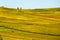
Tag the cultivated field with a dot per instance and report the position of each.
(29, 24)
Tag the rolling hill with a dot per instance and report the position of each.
(29, 24)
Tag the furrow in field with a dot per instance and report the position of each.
(31, 32)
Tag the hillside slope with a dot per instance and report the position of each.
(30, 24)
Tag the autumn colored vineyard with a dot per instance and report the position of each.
(29, 24)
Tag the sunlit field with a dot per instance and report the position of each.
(29, 24)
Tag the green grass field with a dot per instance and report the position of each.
(29, 24)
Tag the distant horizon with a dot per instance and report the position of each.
(29, 8)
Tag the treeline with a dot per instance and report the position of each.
(44, 10)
